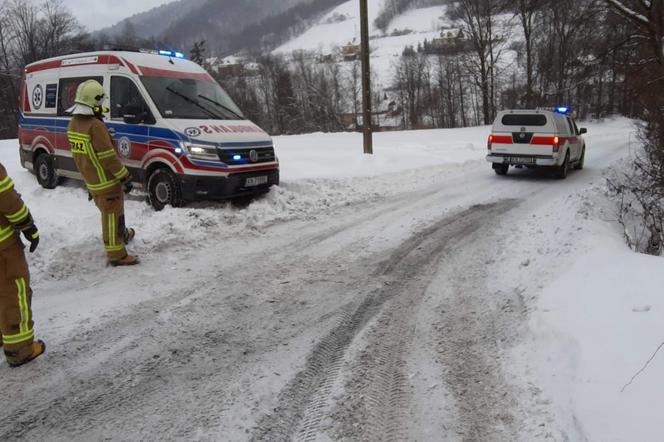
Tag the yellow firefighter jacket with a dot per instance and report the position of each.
(14, 214)
(95, 157)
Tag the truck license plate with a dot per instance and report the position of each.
(255, 181)
(522, 160)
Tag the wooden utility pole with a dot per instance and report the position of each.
(366, 79)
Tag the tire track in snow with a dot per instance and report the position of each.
(305, 403)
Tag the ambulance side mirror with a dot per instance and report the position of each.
(583, 130)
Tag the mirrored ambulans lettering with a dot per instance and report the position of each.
(220, 128)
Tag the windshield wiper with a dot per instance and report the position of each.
(239, 117)
(195, 103)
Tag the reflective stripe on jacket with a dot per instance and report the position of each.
(14, 214)
(94, 154)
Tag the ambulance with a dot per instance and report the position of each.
(175, 129)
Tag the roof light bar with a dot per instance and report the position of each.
(171, 54)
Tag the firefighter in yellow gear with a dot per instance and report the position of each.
(15, 293)
(96, 159)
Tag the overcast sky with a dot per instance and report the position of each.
(98, 14)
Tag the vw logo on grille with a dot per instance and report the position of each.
(253, 156)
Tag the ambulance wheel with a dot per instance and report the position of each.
(45, 171)
(164, 189)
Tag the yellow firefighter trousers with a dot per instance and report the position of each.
(111, 206)
(15, 301)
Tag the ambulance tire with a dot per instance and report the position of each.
(45, 171)
(164, 189)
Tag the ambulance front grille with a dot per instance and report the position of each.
(243, 156)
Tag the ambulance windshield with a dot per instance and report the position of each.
(191, 99)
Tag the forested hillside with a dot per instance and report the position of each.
(226, 25)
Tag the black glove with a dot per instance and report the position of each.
(32, 235)
(128, 186)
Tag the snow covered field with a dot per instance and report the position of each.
(411, 295)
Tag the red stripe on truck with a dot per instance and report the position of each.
(545, 141)
(501, 139)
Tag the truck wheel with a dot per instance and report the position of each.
(501, 169)
(45, 171)
(563, 170)
(579, 165)
(164, 189)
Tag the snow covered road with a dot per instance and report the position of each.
(384, 298)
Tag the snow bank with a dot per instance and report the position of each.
(596, 327)
(319, 172)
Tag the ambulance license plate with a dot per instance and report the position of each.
(255, 181)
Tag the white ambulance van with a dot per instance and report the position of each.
(536, 138)
(175, 129)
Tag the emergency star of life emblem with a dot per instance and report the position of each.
(37, 96)
(124, 147)
(192, 131)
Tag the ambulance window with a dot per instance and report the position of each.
(126, 98)
(51, 95)
(67, 94)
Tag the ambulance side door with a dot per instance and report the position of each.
(129, 124)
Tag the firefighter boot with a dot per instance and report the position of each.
(129, 235)
(38, 347)
(126, 261)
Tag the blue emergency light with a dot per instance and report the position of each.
(171, 54)
(237, 157)
(563, 110)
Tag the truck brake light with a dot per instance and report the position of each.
(556, 144)
(490, 142)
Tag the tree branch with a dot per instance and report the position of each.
(629, 13)
(643, 368)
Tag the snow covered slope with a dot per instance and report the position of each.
(327, 35)
(411, 295)
(341, 26)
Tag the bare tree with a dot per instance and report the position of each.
(527, 11)
(411, 80)
(642, 187)
(479, 22)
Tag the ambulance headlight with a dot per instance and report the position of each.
(200, 152)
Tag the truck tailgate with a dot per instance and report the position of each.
(538, 145)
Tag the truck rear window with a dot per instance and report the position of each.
(524, 120)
